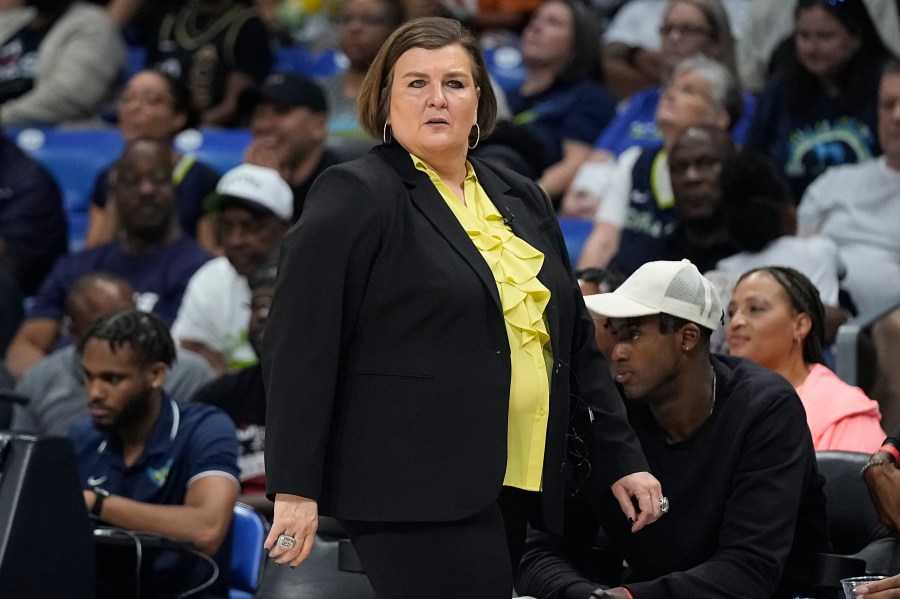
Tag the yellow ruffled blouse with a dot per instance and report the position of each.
(515, 265)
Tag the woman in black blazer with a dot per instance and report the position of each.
(391, 378)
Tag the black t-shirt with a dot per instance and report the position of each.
(19, 62)
(242, 396)
(202, 50)
(329, 158)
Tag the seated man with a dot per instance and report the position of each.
(632, 199)
(253, 211)
(145, 462)
(55, 385)
(150, 253)
(289, 124)
(242, 395)
(728, 440)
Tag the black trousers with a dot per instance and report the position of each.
(472, 558)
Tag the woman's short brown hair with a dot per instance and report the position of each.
(431, 33)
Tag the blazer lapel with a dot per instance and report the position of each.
(426, 198)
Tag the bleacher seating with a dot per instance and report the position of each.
(316, 65)
(75, 157)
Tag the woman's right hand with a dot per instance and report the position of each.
(296, 517)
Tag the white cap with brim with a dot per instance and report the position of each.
(255, 185)
(663, 287)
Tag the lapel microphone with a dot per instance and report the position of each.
(508, 220)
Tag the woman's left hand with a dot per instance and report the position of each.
(644, 487)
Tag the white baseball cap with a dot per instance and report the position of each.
(663, 287)
(258, 186)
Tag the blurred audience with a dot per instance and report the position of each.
(769, 22)
(242, 395)
(856, 206)
(155, 105)
(148, 463)
(289, 124)
(55, 385)
(253, 209)
(688, 28)
(151, 253)
(636, 53)
(60, 60)
(219, 48)
(762, 219)
(561, 103)
(700, 233)
(33, 227)
(776, 319)
(364, 26)
(632, 198)
(820, 107)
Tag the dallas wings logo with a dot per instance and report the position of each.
(159, 475)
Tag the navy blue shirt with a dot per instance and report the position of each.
(159, 277)
(32, 219)
(189, 441)
(576, 110)
(824, 135)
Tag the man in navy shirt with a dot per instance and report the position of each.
(145, 462)
(151, 253)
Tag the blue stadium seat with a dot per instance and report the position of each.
(317, 65)
(575, 231)
(249, 530)
(222, 149)
(74, 158)
(504, 63)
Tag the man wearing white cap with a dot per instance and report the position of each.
(727, 440)
(253, 206)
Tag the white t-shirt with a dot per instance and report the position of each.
(816, 257)
(215, 310)
(858, 206)
(609, 186)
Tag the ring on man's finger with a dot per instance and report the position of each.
(286, 541)
(664, 505)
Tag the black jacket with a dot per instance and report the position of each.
(386, 357)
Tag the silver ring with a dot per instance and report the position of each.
(664, 505)
(286, 541)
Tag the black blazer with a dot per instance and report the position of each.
(386, 358)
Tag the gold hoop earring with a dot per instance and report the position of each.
(384, 135)
(477, 137)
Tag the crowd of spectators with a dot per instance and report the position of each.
(760, 139)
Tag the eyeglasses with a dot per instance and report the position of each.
(684, 30)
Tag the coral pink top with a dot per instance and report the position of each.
(839, 415)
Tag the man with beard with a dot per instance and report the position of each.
(55, 386)
(146, 462)
(253, 208)
(701, 234)
(150, 253)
